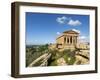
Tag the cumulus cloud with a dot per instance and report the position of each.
(68, 21)
(58, 33)
(74, 22)
(61, 20)
(76, 30)
(82, 37)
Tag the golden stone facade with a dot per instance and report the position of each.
(69, 40)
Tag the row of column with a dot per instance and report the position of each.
(70, 40)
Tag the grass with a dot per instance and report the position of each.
(69, 57)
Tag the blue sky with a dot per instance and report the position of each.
(42, 28)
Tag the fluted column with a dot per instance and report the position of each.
(76, 40)
(73, 40)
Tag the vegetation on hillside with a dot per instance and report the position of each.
(69, 57)
(34, 52)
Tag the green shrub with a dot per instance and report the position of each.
(69, 54)
(54, 63)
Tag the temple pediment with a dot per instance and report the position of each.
(70, 32)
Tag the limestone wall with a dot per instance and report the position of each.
(60, 40)
(83, 46)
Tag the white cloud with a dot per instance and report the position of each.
(58, 33)
(64, 17)
(61, 20)
(82, 37)
(74, 22)
(76, 30)
(68, 21)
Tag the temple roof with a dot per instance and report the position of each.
(71, 32)
(68, 32)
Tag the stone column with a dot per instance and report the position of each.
(76, 40)
(73, 40)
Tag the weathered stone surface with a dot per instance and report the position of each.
(61, 62)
